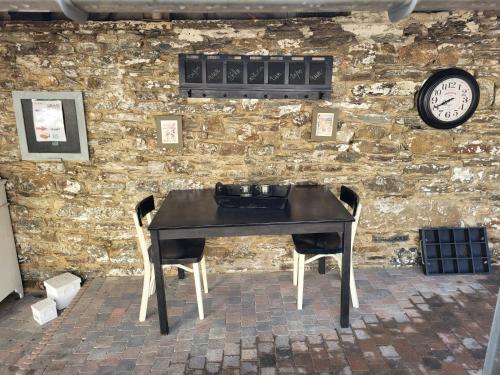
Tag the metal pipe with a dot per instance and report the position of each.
(399, 11)
(73, 12)
(76, 9)
(211, 6)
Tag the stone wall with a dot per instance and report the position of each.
(78, 215)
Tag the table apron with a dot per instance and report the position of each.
(251, 230)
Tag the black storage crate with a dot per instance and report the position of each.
(455, 250)
(256, 196)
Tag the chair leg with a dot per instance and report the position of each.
(204, 274)
(152, 285)
(300, 288)
(197, 285)
(295, 266)
(145, 294)
(322, 266)
(181, 274)
(354, 292)
(352, 282)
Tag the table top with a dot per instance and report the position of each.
(184, 209)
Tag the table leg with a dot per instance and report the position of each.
(322, 265)
(160, 287)
(181, 273)
(346, 271)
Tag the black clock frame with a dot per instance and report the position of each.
(425, 92)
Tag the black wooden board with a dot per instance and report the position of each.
(255, 73)
(193, 69)
(317, 73)
(297, 73)
(276, 74)
(225, 76)
(215, 70)
(234, 73)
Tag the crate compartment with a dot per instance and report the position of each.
(479, 250)
(449, 266)
(430, 235)
(465, 266)
(433, 251)
(463, 250)
(447, 251)
(445, 235)
(481, 265)
(454, 250)
(461, 235)
(476, 234)
(433, 266)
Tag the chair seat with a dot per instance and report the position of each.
(185, 251)
(318, 243)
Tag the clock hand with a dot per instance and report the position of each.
(443, 103)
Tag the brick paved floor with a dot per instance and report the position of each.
(407, 323)
(18, 331)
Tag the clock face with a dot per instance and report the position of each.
(448, 98)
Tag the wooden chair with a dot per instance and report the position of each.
(322, 245)
(175, 253)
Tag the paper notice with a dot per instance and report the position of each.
(324, 124)
(48, 121)
(169, 131)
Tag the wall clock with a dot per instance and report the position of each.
(448, 98)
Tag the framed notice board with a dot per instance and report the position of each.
(261, 77)
(51, 125)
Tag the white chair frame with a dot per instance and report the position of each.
(148, 288)
(299, 262)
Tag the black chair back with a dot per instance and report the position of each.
(144, 207)
(350, 197)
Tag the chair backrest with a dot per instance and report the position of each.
(143, 209)
(352, 199)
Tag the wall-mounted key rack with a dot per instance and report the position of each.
(260, 77)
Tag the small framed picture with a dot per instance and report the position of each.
(169, 131)
(324, 124)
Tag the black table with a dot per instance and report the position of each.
(195, 214)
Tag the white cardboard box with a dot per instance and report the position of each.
(44, 311)
(62, 289)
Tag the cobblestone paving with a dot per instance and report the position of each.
(18, 331)
(407, 323)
